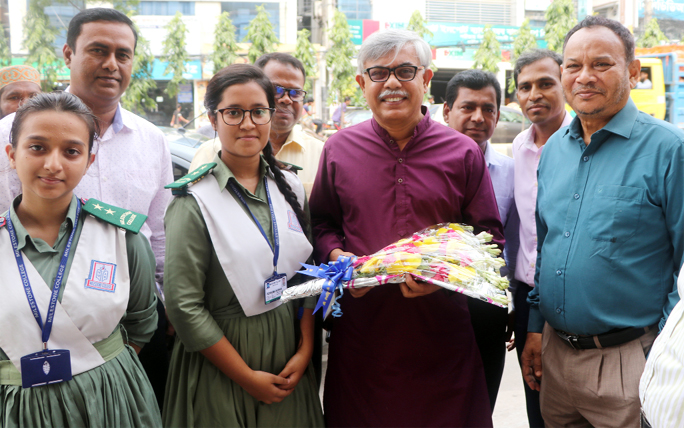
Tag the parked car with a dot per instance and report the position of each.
(183, 144)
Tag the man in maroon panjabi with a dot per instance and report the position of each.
(400, 355)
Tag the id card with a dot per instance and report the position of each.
(274, 287)
(45, 368)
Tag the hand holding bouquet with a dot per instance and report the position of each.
(447, 254)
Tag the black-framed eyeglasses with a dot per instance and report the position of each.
(234, 116)
(294, 94)
(403, 73)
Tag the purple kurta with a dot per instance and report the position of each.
(395, 361)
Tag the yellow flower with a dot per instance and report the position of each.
(404, 263)
(460, 274)
(372, 265)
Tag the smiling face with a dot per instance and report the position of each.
(102, 63)
(287, 112)
(540, 92)
(473, 113)
(395, 103)
(50, 155)
(596, 78)
(246, 140)
(14, 95)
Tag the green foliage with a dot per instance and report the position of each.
(136, 98)
(261, 35)
(304, 51)
(338, 59)
(225, 43)
(488, 55)
(175, 53)
(560, 18)
(129, 7)
(5, 54)
(417, 25)
(652, 36)
(39, 40)
(524, 41)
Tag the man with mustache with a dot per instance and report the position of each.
(400, 355)
(473, 100)
(290, 143)
(610, 215)
(18, 83)
(132, 163)
(537, 77)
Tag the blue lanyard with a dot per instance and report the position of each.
(276, 238)
(47, 328)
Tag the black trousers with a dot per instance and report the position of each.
(489, 325)
(155, 357)
(522, 316)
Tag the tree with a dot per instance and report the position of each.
(225, 43)
(137, 98)
(524, 41)
(560, 18)
(129, 7)
(652, 36)
(488, 55)
(338, 59)
(5, 54)
(39, 40)
(417, 25)
(261, 35)
(304, 51)
(175, 53)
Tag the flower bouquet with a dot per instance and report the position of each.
(447, 254)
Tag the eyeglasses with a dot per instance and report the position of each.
(234, 116)
(294, 94)
(403, 73)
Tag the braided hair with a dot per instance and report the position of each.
(244, 73)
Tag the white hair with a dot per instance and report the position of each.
(382, 43)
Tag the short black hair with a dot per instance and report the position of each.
(475, 80)
(620, 30)
(282, 58)
(532, 56)
(96, 14)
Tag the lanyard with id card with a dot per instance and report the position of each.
(276, 283)
(49, 365)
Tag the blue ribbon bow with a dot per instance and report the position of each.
(334, 274)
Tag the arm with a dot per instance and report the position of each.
(10, 186)
(296, 366)
(140, 320)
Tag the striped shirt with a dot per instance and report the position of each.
(662, 384)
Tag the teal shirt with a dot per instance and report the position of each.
(140, 319)
(610, 226)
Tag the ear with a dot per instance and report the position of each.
(634, 70)
(67, 52)
(445, 112)
(90, 161)
(427, 76)
(10, 155)
(361, 81)
(498, 115)
(212, 120)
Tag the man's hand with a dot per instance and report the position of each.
(355, 292)
(411, 288)
(510, 340)
(531, 361)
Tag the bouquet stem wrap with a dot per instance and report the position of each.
(448, 255)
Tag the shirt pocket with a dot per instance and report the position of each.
(141, 186)
(615, 212)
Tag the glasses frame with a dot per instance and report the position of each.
(244, 113)
(288, 92)
(393, 71)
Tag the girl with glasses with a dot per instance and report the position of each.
(234, 239)
(77, 284)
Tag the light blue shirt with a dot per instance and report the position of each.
(501, 171)
(610, 226)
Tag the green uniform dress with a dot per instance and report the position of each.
(203, 308)
(114, 394)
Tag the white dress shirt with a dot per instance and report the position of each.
(661, 389)
(132, 165)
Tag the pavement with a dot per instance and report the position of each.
(509, 412)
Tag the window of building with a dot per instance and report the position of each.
(164, 8)
(242, 14)
(355, 9)
(60, 16)
(493, 12)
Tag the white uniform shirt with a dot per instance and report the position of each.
(662, 384)
(132, 165)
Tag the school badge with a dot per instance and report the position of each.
(101, 276)
(292, 222)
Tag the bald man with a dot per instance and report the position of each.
(18, 83)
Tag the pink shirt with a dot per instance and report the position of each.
(526, 157)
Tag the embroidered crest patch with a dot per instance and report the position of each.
(101, 276)
(2, 221)
(292, 222)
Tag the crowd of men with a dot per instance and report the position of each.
(589, 212)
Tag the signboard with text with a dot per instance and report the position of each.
(665, 9)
